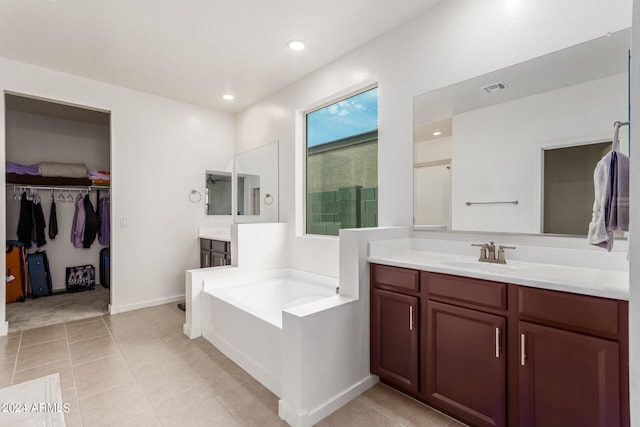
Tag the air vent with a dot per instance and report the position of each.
(495, 87)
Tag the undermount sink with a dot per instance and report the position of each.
(480, 266)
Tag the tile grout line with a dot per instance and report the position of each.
(155, 414)
(73, 374)
(15, 362)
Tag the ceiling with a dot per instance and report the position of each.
(196, 50)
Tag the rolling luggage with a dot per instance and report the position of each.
(39, 274)
(104, 267)
(15, 279)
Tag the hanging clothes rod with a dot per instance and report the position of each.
(513, 202)
(617, 125)
(23, 187)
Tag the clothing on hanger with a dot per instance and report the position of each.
(104, 233)
(40, 225)
(25, 222)
(53, 220)
(77, 227)
(91, 224)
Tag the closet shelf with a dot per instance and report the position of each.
(13, 178)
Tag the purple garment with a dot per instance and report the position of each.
(77, 227)
(22, 169)
(94, 174)
(104, 208)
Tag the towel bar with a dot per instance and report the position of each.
(514, 202)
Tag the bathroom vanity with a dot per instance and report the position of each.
(214, 253)
(499, 353)
(215, 246)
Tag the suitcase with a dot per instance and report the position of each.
(15, 279)
(80, 278)
(105, 274)
(39, 274)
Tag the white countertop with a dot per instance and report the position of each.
(581, 280)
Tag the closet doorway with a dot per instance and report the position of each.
(58, 172)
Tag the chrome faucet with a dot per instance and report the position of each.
(488, 252)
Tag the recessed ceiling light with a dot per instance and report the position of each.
(296, 45)
(228, 97)
(437, 133)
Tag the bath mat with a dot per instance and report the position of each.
(35, 403)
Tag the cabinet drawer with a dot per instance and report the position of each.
(581, 312)
(397, 278)
(214, 245)
(470, 292)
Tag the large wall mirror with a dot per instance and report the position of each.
(256, 184)
(218, 193)
(514, 150)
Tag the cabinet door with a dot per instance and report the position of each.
(394, 339)
(567, 379)
(466, 363)
(205, 258)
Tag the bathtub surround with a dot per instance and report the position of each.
(320, 360)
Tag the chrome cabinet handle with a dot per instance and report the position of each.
(497, 343)
(411, 318)
(523, 355)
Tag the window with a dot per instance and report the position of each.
(342, 164)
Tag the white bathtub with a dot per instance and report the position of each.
(243, 318)
(266, 299)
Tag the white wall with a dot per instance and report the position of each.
(519, 130)
(454, 41)
(32, 138)
(160, 150)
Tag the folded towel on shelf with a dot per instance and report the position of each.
(97, 175)
(19, 169)
(68, 170)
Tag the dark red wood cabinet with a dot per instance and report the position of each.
(466, 363)
(497, 354)
(395, 341)
(567, 379)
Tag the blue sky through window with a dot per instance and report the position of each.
(351, 116)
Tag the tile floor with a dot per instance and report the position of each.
(138, 369)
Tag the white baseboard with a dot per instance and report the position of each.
(309, 418)
(4, 329)
(115, 309)
(192, 333)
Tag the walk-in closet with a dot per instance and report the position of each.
(58, 192)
